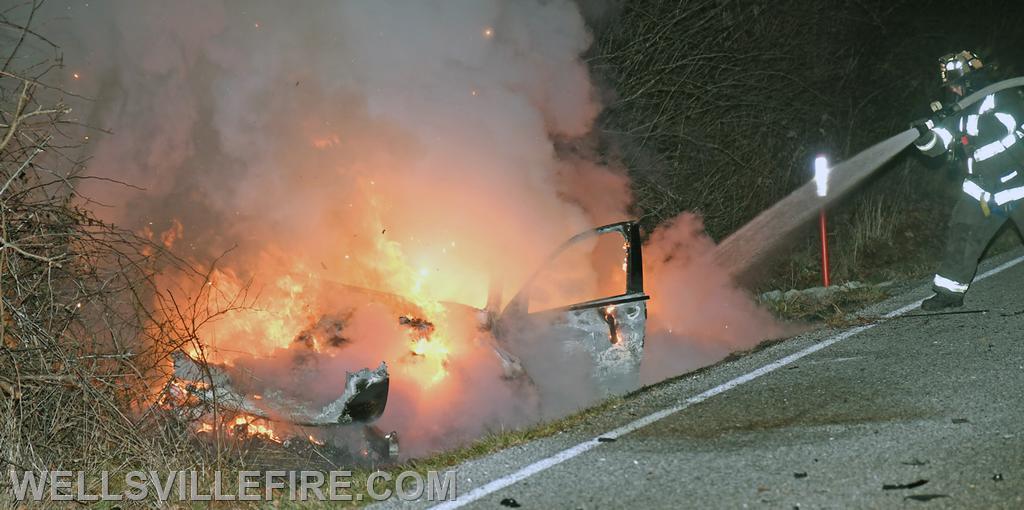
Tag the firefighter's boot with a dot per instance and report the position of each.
(942, 301)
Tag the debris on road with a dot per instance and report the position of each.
(998, 477)
(606, 440)
(958, 421)
(926, 497)
(800, 475)
(901, 486)
(510, 502)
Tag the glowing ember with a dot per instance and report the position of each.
(614, 336)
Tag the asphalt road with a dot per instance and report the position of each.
(935, 399)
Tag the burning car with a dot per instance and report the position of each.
(563, 337)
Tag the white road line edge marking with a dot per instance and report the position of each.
(569, 453)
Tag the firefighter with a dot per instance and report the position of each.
(987, 142)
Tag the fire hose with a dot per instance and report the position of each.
(740, 252)
(962, 104)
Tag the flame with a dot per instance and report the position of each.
(290, 305)
(291, 295)
(252, 426)
(168, 237)
(180, 395)
(240, 426)
(609, 315)
(172, 234)
(414, 285)
(273, 323)
(326, 142)
(436, 355)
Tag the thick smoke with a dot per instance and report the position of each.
(696, 313)
(262, 122)
(407, 147)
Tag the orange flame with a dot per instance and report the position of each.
(253, 427)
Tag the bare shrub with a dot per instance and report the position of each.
(86, 335)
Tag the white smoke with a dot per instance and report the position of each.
(307, 132)
(216, 107)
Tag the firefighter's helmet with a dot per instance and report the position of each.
(955, 67)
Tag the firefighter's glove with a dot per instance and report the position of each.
(923, 126)
(942, 111)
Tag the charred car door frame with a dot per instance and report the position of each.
(630, 231)
(610, 329)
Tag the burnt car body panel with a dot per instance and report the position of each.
(362, 399)
(609, 330)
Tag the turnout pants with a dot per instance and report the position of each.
(970, 231)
